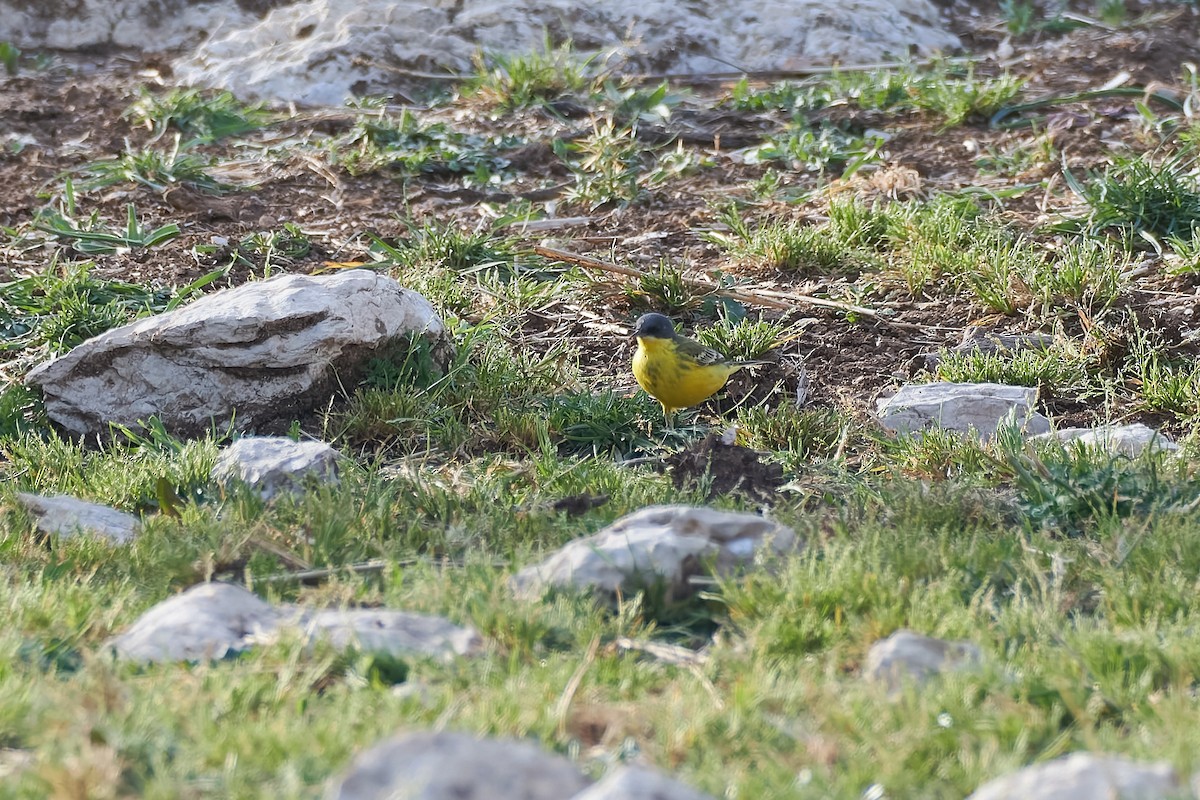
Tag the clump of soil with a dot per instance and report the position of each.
(725, 468)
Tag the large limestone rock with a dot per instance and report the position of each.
(261, 354)
(657, 547)
(212, 620)
(144, 24)
(310, 51)
(964, 407)
(1085, 776)
(455, 766)
(66, 516)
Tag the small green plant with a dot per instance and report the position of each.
(510, 82)
(632, 104)
(200, 115)
(856, 225)
(1138, 197)
(604, 425)
(21, 411)
(825, 149)
(64, 305)
(157, 169)
(91, 237)
(381, 139)
(798, 435)
(264, 252)
(1019, 16)
(1072, 489)
(447, 245)
(944, 90)
(789, 246)
(1024, 155)
(666, 290)
(608, 165)
(1065, 370)
(1112, 12)
(743, 340)
(10, 57)
(958, 99)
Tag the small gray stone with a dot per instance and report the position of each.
(1126, 440)
(66, 516)
(963, 407)
(208, 621)
(909, 656)
(212, 620)
(659, 545)
(1085, 776)
(398, 633)
(274, 464)
(639, 783)
(455, 766)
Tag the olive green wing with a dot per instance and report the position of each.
(694, 351)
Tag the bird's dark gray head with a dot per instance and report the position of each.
(654, 326)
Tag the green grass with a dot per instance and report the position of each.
(1073, 570)
(949, 93)
(382, 139)
(1138, 197)
(199, 115)
(512, 82)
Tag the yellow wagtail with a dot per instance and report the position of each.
(677, 371)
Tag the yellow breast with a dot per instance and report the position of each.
(673, 381)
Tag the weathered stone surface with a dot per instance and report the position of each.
(212, 620)
(963, 407)
(205, 622)
(274, 464)
(1127, 440)
(1085, 776)
(307, 51)
(455, 766)
(909, 656)
(657, 546)
(144, 24)
(62, 515)
(261, 354)
(396, 633)
(639, 783)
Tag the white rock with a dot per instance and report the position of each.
(208, 621)
(66, 516)
(639, 783)
(274, 464)
(144, 24)
(963, 407)
(398, 633)
(455, 766)
(1085, 776)
(262, 354)
(659, 545)
(307, 52)
(909, 656)
(212, 620)
(1127, 440)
